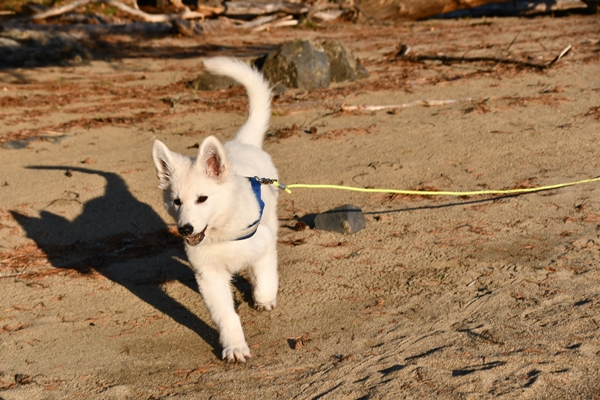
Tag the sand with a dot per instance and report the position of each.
(439, 297)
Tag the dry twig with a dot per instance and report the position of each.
(456, 59)
(420, 102)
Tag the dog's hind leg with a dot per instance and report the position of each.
(265, 280)
(214, 286)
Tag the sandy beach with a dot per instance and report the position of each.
(438, 297)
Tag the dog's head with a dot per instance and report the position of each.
(195, 189)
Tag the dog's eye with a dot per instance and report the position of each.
(201, 199)
(177, 202)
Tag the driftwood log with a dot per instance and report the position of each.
(414, 9)
(421, 9)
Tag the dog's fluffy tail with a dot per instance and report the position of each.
(259, 97)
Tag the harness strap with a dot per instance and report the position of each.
(252, 228)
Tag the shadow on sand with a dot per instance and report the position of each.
(116, 235)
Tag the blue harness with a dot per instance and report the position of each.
(253, 227)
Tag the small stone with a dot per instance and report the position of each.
(15, 144)
(207, 81)
(278, 89)
(346, 219)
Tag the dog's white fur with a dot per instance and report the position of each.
(211, 198)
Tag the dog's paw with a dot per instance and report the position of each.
(237, 354)
(266, 306)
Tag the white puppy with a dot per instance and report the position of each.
(228, 221)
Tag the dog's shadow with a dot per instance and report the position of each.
(124, 240)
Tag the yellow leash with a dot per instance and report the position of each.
(287, 188)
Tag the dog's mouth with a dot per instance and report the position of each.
(196, 239)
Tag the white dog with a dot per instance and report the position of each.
(227, 221)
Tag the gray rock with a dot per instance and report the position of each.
(15, 144)
(300, 64)
(343, 66)
(18, 144)
(207, 81)
(344, 219)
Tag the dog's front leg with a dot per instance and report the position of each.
(215, 289)
(265, 280)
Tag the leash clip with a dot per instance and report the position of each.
(274, 182)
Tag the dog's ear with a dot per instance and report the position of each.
(212, 158)
(164, 163)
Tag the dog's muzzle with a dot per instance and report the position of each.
(192, 240)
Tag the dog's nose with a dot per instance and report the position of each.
(185, 230)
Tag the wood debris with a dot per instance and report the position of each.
(248, 14)
(255, 16)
